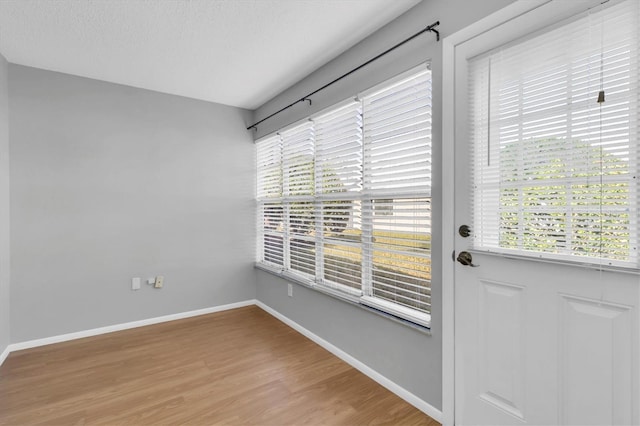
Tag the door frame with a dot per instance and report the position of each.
(449, 45)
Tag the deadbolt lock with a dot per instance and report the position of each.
(464, 231)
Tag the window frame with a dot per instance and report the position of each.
(363, 295)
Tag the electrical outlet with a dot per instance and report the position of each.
(159, 281)
(135, 283)
(290, 290)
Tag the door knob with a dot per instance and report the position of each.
(465, 258)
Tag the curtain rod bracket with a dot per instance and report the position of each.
(433, 30)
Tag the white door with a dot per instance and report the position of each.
(543, 334)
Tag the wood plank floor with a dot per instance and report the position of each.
(235, 367)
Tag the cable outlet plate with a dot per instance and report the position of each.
(159, 281)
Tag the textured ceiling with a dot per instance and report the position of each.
(234, 52)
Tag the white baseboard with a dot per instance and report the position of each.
(4, 354)
(118, 327)
(412, 399)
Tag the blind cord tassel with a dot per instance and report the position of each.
(601, 97)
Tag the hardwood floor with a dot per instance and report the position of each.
(235, 367)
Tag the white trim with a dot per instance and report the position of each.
(5, 354)
(412, 399)
(125, 326)
(420, 318)
(448, 230)
(574, 261)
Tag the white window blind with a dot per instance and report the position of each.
(339, 151)
(298, 161)
(397, 172)
(339, 185)
(269, 165)
(555, 171)
(300, 238)
(321, 199)
(299, 187)
(270, 207)
(398, 137)
(272, 235)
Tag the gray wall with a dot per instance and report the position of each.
(110, 182)
(411, 359)
(4, 207)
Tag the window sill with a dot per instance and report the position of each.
(352, 300)
(587, 263)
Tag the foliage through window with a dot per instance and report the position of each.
(344, 198)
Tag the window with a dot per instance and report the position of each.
(344, 198)
(555, 135)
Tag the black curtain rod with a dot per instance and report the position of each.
(305, 98)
